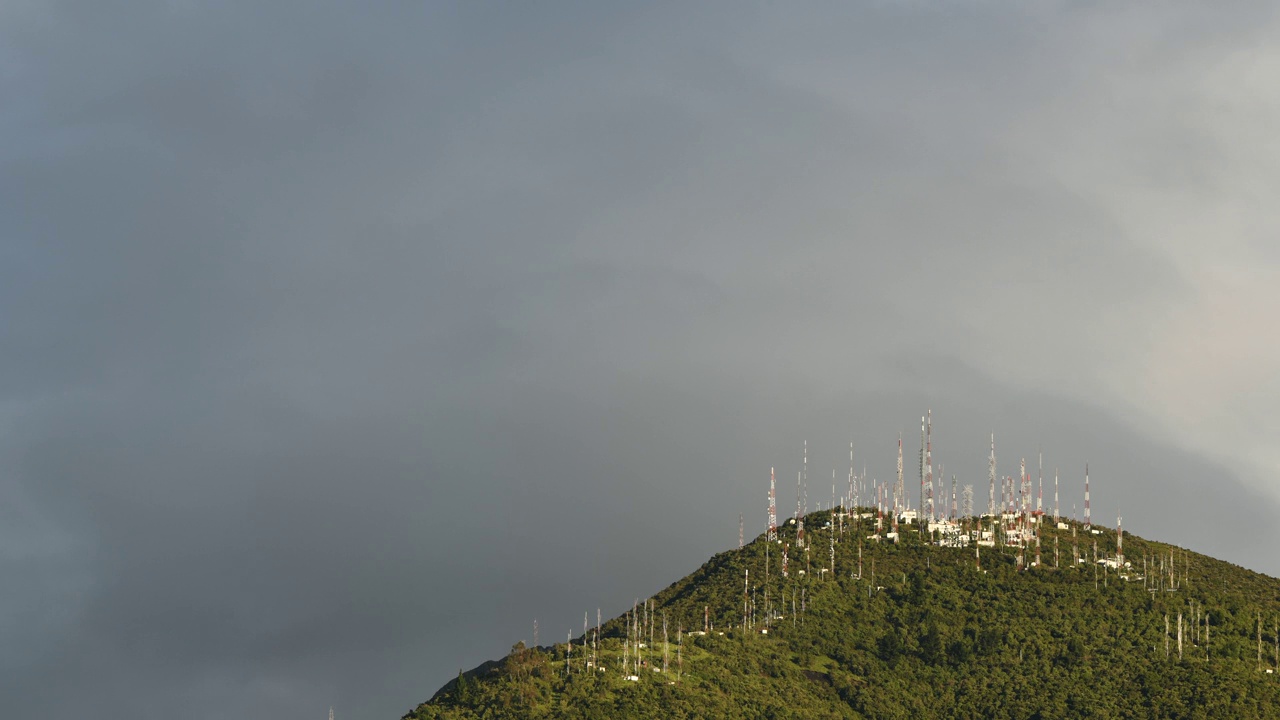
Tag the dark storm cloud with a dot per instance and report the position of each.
(341, 345)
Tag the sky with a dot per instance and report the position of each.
(340, 342)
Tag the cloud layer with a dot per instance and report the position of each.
(341, 345)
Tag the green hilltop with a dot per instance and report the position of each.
(927, 631)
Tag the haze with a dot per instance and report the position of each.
(341, 343)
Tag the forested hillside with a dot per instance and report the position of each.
(924, 632)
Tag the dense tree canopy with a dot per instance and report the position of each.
(925, 632)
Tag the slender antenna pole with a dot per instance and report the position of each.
(1088, 522)
(1055, 497)
(899, 488)
(773, 507)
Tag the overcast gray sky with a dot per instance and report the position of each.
(339, 343)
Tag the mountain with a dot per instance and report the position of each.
(933, 628)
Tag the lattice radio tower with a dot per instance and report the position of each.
(799, 514)
(922, 494)
(991, 494)
(928, 463)
(1024, 487)
(900, 486)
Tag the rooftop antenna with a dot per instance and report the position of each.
(773, 507)
(966, 506)
(1088, 525)
(954, 507)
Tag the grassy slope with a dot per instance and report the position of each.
(932, 637)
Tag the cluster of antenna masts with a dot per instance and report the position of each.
(1011, 518)
(1012, 521)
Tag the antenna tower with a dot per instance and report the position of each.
(773, 507)
(853, 495)
(1040, 488)
(1055, 496)
(1024, 488)
(799, 513)
(928, 461)
(1119, 543)
(991, 496)
(922, 494)
(900, 487)
(1088, 525)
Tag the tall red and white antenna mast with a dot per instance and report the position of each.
(773, 507)
(928, 462)
(1120, 543)
(922, 493)
(1088, 524)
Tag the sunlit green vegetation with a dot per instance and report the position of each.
(928, 635)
